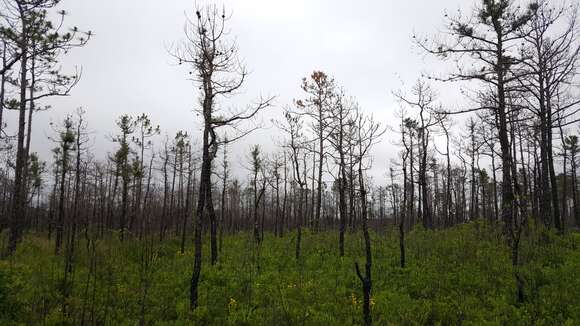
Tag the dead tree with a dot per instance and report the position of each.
(275, 166)
(36, 41)
(66, 140)
(339, 139)
(320, 89)
(572, 146)
(423, 99)
(219, 73)
(145, 130)
(224, 177)
(258, 186)
(445, 122)
(485, 40)
(550, 59)
(126, 126)
(367, 134)
(292, 126)
(80, 141)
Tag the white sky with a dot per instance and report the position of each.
(365, 45)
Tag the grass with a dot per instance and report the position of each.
(457, 276)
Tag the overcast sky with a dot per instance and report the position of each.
(365, 45)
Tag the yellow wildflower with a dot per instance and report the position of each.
(232, 303)
(353, 299)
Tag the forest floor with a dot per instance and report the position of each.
(458, 276)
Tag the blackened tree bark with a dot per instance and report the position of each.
(339, 139)
(367, 134)
(145, 131)
(551, 55)
(218, 72)
(423, 99)
(258, 187)
(320, 88)
(292, 126)
(571, 143)
(66, 143)
(35, 38)
(126, 126)
(487, 39)
(225, 176)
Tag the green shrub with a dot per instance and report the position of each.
(458, 276)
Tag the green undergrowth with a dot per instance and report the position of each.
(460, 276)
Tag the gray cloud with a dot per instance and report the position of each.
(365, 45)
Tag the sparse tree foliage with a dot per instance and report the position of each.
(459, 205)
(219, 73)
